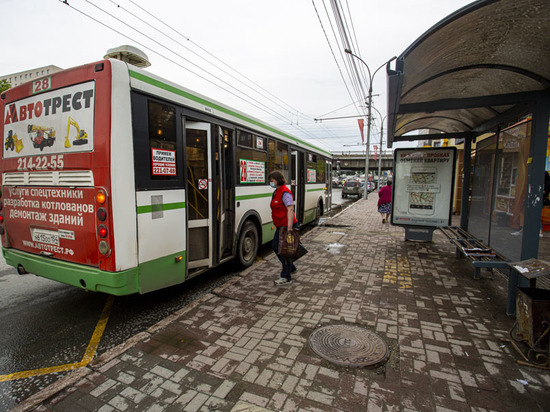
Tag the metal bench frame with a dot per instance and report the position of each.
(464, 241)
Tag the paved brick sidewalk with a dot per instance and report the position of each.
(244, 347)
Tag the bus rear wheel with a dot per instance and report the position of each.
(318, 212)
(248, 244)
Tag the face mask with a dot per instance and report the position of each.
(272, 185)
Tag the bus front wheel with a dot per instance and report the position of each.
(248, 244)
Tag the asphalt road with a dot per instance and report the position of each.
(49, 325)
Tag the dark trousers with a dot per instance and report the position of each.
(288, 266)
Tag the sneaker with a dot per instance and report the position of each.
(282, 282)
(383, 220)
(294, 270)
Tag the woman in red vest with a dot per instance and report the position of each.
(282, 212)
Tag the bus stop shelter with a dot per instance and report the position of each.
(476, 72)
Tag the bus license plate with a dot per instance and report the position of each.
(45, 236)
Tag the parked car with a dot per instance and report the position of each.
(352, 187)
(371, 186)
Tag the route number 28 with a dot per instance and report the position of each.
(41, 85)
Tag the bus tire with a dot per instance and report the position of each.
(248, 244)
(318, 212)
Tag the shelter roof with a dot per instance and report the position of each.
(482, 63)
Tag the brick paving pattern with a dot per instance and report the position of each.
(244, 347)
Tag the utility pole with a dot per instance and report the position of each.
(369, 115)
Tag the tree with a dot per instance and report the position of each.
(4, 85)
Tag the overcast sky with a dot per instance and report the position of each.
(279, 45)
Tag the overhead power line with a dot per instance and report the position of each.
(248, 99)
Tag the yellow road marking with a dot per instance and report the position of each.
(42, 371)
(398, 271)
(98, 332)
(88, 355)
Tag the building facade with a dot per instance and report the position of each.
(15, 79)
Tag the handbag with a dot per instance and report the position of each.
(289, 242)
(301, 251)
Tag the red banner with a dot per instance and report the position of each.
(375, 151)
(361, 125)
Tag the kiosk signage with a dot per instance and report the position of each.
(423, 182)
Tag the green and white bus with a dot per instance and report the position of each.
(118, 181)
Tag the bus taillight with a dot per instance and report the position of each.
(104, 248)
(101, 214)
(1, 216)
(102, 231)
(101, 197)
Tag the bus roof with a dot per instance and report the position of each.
(143, 80)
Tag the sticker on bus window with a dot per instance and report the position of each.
(259, 142)
(311, 175)
(163, 162)
(252, 171)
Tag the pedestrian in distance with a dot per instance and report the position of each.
(384, 201)
(282, 213)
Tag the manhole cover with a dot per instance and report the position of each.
(347, 345)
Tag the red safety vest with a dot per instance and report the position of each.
(278, 209)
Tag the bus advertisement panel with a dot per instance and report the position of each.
(42, 125)
(423, 186)
(52, 222)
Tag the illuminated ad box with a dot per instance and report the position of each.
(423, 185)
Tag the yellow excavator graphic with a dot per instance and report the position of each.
(81, 135)
(12, 142)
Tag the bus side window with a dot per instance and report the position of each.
(278, 158)
(162, 126)
(251, 158)
(158, 144)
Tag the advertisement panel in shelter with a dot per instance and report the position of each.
(423, 186)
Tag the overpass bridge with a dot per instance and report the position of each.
(356, 161)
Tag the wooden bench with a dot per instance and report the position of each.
(481, 255)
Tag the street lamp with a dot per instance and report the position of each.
(381, 139)
(369, 115)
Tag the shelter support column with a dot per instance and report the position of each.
(466, 172)
(533, 200)
(535, 179)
